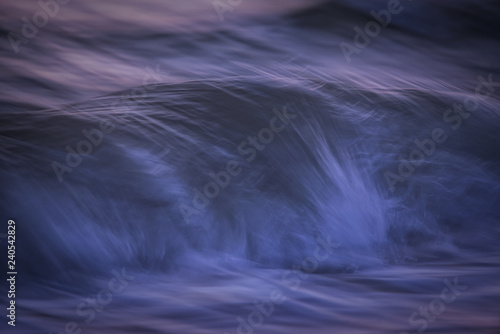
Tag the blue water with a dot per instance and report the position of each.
(169, 172)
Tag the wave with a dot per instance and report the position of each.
(322, 177)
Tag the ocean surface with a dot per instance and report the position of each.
(251, 166)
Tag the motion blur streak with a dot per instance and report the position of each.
(323, 176)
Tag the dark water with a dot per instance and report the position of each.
(367, 203)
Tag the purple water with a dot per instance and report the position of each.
(169, 172)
